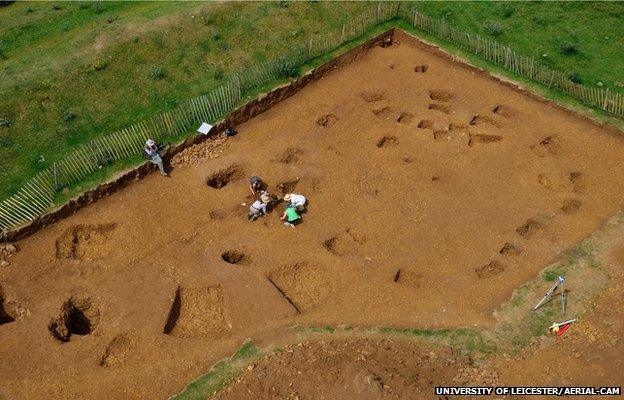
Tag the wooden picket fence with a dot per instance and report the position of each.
(525, 66)
(37, 195)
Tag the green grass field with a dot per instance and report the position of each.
(70, 71)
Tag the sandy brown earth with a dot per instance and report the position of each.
(345, 366)
(360, 368)
(434, 192)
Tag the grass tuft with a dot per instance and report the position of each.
(156, 73)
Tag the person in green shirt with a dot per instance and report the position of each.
(290, 217)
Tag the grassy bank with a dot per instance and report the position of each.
(74, 71)
(70, 72)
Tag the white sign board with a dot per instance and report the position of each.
(204, 128)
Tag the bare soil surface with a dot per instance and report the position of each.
(410, 220)
(365, 369)
(344, 366)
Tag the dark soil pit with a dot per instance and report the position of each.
(78, 316)
(577, 179)
(490, 269)
(287, 186)
(327, 120)
(484, 120)
(405, 118)
(235, 257)
(387, 141)
(371, 97)
(440, 95)
(425, 124)
(290, 155)
(117, 351)
(421, 68)
(6, 314)
(485, 139)
(304, 285)
(509, 249)
(504, 111)
(530, 228)
(224, 177)
(198, 312)
(407, 160)
(571, 206)
(440, 107)
(551, 145)
(408, 278)
(84, 241)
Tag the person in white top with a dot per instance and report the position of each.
(150, 152)
(297, 201)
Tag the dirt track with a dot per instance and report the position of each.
(432, 196)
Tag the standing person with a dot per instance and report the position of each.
(256, 184)
(297, 201)
(151, 153)
(291, 217)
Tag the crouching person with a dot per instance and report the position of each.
(291, 217)
(259, 207)
(297, 201)
(151, 153)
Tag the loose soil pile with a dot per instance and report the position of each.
(411, 222)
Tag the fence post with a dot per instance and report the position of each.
(310, 48)
(55, 175)
(604, 105)
(415, 14)
(378, 10)
(343, 33)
